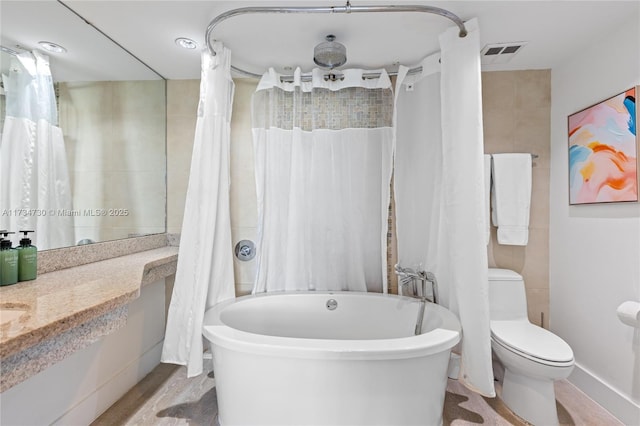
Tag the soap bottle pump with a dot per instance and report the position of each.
(9, 261)
(27, 259)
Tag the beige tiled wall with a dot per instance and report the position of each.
(244, 207)
(182, 104)
(517, 118)
(114, 134)
(182, 108)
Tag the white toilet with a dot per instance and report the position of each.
(532, 356)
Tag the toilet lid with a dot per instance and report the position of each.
(497, 274)
(531, 340)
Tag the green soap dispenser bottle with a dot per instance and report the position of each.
(1, 240)
(27, 259)
(9, 261)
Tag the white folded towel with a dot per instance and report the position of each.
(511, 197)
(487, 196)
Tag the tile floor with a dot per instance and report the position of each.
(167, 397)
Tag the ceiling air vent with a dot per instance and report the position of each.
(501, 53)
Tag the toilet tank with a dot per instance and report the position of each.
(507, 297)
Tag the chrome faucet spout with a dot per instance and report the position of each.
(409, 277)
(423, 305)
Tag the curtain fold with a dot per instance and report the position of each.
(463, 163)
(439, 187)
(35, 190)
(204, 273)
(418, 169)
(323, 153)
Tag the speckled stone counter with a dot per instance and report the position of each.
(45, 320)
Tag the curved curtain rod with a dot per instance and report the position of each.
(348, 8)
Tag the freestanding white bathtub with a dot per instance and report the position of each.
(329, 358)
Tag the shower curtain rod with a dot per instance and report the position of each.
(348, 8)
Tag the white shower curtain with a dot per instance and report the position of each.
(417, 174)
(323, 154)
(205, 264)
(35, 189)
(439, 187)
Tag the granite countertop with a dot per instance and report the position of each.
(55, 302)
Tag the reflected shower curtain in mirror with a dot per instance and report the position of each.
(323, 153)
(35, 191)
(204, 273)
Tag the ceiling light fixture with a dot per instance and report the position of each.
(52, 47)
(186, 43)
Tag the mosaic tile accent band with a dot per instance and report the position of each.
(352, 107)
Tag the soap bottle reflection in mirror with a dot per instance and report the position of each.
(8, 261)
(27, 259)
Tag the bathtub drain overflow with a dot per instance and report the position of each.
(332, 304)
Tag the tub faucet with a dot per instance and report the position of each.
(409, 277)
(409, 280)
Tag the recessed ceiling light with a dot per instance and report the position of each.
(52, 47)
(186, 43)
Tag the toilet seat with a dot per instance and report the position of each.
(532, 342)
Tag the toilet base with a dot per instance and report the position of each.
(532, 399)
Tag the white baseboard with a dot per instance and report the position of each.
(610, 399)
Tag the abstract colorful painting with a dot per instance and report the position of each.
(603, 150)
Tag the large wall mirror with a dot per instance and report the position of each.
(100, 172)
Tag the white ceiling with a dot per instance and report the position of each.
(554, 30)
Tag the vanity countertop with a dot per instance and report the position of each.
(33, 311)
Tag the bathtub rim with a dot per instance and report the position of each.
(431, 342)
